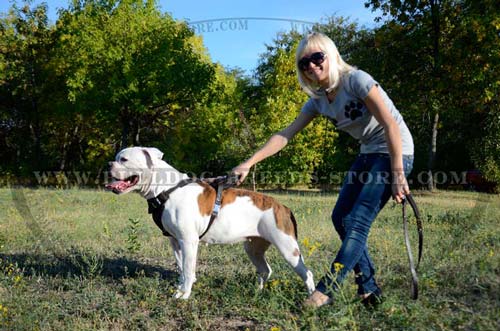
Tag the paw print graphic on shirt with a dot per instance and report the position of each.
(353, 110)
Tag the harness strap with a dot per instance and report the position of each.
(216, 209)
(157, 214)
(156, 205)
(413, 270)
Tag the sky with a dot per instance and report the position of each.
(236, 32)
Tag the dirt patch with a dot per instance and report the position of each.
(232, 323)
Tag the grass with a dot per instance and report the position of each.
(89, 260)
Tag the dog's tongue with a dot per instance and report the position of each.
(118, 186)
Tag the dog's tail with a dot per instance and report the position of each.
(294, 222)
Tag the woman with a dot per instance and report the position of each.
(357, 104)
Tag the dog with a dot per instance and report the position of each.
(244, 216)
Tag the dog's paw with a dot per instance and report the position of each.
(311, 287)
(262, 279)
(182, 281)
(182, 295)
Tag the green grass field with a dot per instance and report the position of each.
(89, 260)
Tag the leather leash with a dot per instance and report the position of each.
(413, 269)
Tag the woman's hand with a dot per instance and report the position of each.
(400, 187)
(242, 172)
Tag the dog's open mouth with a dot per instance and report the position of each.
(120, 186)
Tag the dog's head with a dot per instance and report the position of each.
(133, 169)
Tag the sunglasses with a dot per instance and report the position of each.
(316, 58)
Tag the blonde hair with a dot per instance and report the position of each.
(337, 66)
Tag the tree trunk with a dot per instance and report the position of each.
(35, 126)
(36, 135)
(432, 152)
(69, 143)
(125, 128)
(64, 152)
(136, 133)
(436, 27)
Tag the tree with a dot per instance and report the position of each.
(25, 41)
(106, 64)
(126, 61)
(416, 17)
(440, 56)
(477, 45)
(202, 140)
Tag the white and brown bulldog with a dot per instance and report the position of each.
(256, 219)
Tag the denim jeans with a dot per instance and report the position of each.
(365, 191)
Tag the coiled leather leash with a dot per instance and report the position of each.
(413, 269)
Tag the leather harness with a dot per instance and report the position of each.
(413, 268)
(156, 205)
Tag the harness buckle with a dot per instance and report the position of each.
(216, 209)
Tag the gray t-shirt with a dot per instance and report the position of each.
(349, 113)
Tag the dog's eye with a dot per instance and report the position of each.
(123, 159)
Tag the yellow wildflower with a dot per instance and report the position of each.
(338, 266)
(3, 310)
(274, 283)
(311, 247)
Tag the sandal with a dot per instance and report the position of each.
(317, 299)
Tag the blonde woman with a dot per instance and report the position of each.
(357, 104)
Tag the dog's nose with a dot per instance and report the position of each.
(110, 164)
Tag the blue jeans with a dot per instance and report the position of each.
(365, 191)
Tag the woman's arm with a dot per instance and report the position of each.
(377, 108)
(276, 143)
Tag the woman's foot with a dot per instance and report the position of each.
(317, 299)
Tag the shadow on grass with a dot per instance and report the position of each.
(76, 263)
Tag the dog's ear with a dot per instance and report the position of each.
(152, 153)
